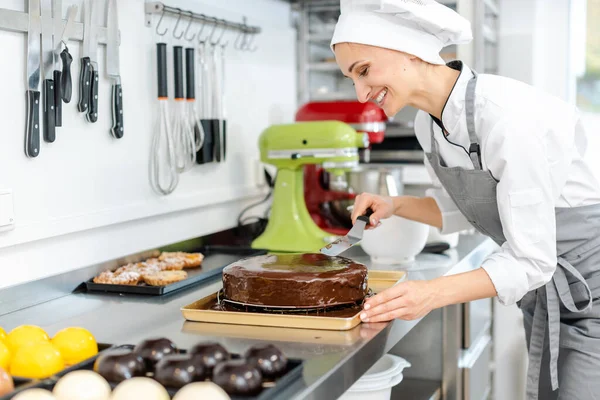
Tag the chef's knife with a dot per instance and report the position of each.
(92, 115)
(85, 73)
(57, 12)
(47, 60)
(32, 126)
(65, 86)
(352, 238)
(112, 68)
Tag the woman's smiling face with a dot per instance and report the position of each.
(380, 75)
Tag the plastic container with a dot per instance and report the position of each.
(378, 381)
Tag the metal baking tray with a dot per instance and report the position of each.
(215, 259)
(270, 388)
(201, 310)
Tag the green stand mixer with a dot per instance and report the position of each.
(332, 144)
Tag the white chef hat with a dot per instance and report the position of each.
(418, 27)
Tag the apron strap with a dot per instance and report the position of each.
(557, 292)
(474, 148)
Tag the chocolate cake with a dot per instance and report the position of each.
(297, 280)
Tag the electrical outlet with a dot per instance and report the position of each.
(7, 212)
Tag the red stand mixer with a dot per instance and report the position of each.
(323, 197)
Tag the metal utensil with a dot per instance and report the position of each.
(163, 130)
(48, 62)
(32, 126)
(183, 132)
(190, 96)
(57, 13)
(63, 84)
(92, 115)
(113, 70)
(353, 237)
(85, 73)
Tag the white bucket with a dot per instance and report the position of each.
(378, 381)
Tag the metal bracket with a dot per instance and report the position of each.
(18, 21)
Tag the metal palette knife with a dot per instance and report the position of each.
(353, 237)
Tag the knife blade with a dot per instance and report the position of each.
(353, 237)
(47, 61)
(66, 85)
(57, 14)
(113, 68)
(86, 67)
(32, 125)
(92, 115)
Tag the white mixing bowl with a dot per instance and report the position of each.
(397, 240)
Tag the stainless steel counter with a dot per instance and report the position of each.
(333, 360)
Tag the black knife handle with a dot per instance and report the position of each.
(85, 84)
(49, 112)
(178, 71)
(32, 127)
(92, 115)
(66, 86)
(216, 130)
(161, 69)
(224, 137)
(117, 112)
(190, 79)
(57, 99)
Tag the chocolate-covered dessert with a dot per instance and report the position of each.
(238, 377)
(268, 359)
(208, 355)
(298, 280)
(118, 365)
(177, 371)
(153, 350)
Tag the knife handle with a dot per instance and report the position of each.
(85, 82)
(92, 115)
(57, 98)
(32, 127)
(66, 86)
(117, 111)
(49, 111)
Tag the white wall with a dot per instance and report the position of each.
(86, 198)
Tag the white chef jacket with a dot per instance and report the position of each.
(533, 144)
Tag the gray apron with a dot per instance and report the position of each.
(559, 314)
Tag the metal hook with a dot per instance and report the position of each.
(157, 25)
(237, 43)
(199, 34)
(211, 33)
(222, 33)
(246, 46)
(176, 25)
(189, 39)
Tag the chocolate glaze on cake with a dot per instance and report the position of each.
(298, 280)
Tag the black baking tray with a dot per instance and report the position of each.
(269, 392)
(22, 384)
(216, 257)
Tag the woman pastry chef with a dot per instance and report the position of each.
(510, 162)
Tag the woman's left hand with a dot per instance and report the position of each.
(407, 300)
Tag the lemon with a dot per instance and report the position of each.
(4, 356)
(75, 344)
(36, 361)
(2, 334)
(25, 335)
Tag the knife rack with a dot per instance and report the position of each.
(157, 7)
(18, 21)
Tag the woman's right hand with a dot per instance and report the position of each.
(382, 207)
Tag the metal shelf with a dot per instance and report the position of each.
(333, 96)
(418, 389)
(324, 66)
